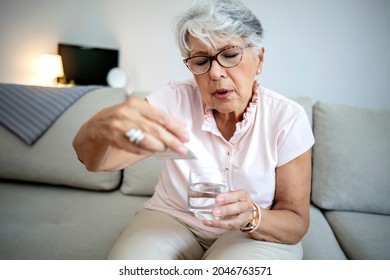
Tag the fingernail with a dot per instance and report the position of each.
(185, 136)
(217, 212)
(220, 199)
(182, 150)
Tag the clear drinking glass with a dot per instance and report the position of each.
(204, 185)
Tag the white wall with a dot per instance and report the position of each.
(330, 50)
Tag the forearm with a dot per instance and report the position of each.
(282, 226)
(96, 154)
(90, 151)
(288, 219)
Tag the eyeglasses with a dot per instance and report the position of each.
(228, 57)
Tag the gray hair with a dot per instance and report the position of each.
(215, 21)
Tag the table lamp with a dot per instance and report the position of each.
(50, 68)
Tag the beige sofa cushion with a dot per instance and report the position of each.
(351, 158)
(44, 223)
(52, 159)
(142, 177)
(364, 236)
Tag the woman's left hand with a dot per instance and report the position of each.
(287, 220)
(235, 209)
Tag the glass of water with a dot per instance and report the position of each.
(204, 185)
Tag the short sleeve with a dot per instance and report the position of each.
(295, 138)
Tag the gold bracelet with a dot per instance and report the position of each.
(255, 222)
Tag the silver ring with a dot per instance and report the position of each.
(135, 135)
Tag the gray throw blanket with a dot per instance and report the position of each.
(28, 111)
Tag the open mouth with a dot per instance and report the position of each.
(222, 93)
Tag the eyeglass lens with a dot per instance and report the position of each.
(227, 58)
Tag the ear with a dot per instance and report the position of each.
(261, 61)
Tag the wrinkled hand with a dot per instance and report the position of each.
(234, 207)
(161, 130)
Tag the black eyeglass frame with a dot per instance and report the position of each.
(215, 57)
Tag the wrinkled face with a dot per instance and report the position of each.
(227, 90)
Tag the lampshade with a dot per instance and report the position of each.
(50, 67)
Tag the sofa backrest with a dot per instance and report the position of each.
(52, 159)
(351, 158)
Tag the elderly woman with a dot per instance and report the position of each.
(260, 139)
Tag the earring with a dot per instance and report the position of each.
(258, 72)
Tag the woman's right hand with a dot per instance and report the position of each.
(105, 133)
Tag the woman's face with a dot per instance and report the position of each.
(227, 90)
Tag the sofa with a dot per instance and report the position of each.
(52, 208)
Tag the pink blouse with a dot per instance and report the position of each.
(274, 131)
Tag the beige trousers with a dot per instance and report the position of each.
(159, 236)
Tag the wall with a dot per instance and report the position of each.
(330, 50)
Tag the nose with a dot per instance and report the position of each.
(217, 71)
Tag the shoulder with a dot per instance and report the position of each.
(187, 89)
(187, 85)
(275, 101)
(280, 108)
(174, 89)
(174, 95)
